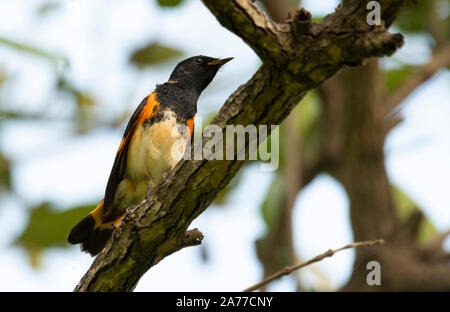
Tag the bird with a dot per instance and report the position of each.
(144, 155)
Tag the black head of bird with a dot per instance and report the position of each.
(198, 71)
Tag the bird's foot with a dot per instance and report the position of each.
(130, 213)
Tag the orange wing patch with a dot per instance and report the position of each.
(190, 124)
(122, 144)
(145, 110)
(97, 214)
(149, 108)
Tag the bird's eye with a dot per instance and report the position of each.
(198, 60)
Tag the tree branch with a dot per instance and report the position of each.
(389, 8)
(329, 253)
(155, 228)
(252, 25)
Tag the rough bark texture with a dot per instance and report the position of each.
(297, 55)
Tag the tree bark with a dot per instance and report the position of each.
(298, 55)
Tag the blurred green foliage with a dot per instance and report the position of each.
(169, 3)
(60, 62)
(48, 227)
(83, 118)
(154, 53)
(406, 209)
(395, 77)
(5, 174)
(48, 7)
(413, 19)
(427, 17)
(275, 197)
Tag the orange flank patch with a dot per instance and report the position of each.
(116, 222)
(97, 213)
(149, 108)
(146, 113)
(190, 124)
(122, 143)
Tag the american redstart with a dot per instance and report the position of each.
(146, 151)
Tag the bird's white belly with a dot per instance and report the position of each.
(156, 149)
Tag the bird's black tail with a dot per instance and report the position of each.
(91, 233)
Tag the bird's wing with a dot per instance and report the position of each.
(144, 111)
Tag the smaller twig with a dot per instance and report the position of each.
(190, 238)
(301, 22)
(436, 242)
(289, 269)
(433, 250)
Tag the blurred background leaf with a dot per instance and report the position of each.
(169, 3)
(270, 208)
(60, 62)
(427, 17)
(5, 174)
(412, 20)
(84, 118)
(407, 209)
(154, 53)
(48, 227)
(48, 7)
(395, 77)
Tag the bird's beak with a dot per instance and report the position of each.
(220, 62)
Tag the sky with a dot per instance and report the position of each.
(51, 164)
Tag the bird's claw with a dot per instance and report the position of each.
(130, 213)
